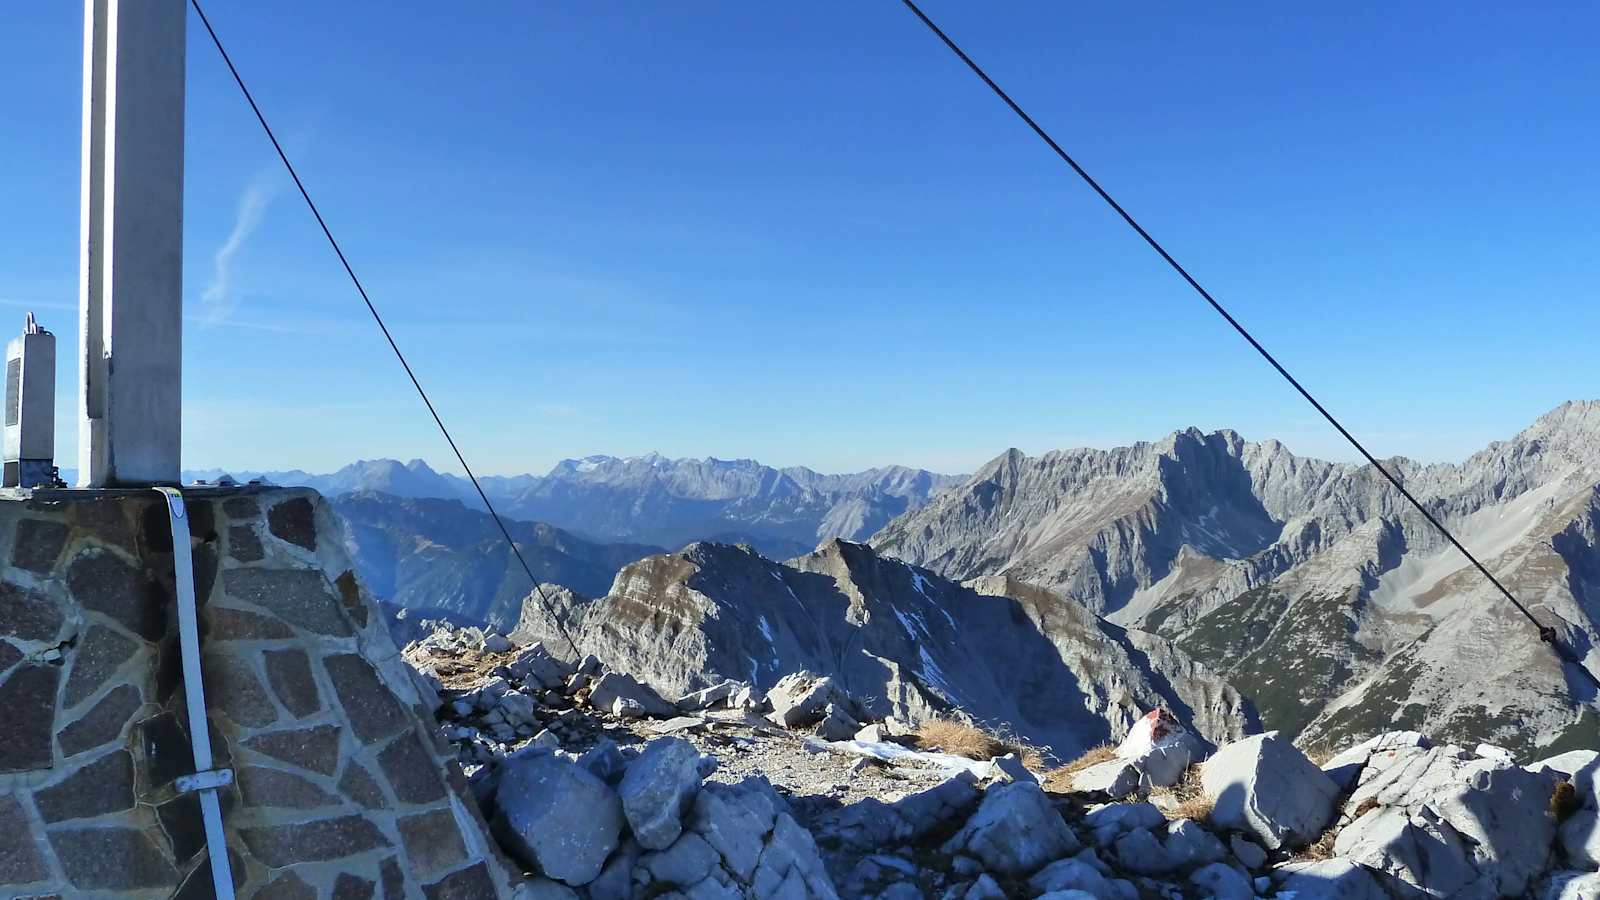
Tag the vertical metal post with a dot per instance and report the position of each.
(131, 253)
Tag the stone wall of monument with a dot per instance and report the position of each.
(341, 788)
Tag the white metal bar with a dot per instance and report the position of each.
(195, 692)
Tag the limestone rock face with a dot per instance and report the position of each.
(1313, 587)
(1262, 785)
(916, 644)
(1447, 822)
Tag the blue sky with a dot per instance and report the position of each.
(803, 233)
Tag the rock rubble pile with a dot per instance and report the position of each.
(598, 787)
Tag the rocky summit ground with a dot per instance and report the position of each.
(598, 787)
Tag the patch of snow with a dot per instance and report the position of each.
(766, 629)
(933, 674)
(912, 623)
(895, 754)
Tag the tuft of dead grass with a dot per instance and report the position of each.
(1319, 849)
(1188, 798)
(974, 742)
(1564, 801)
(1319, 754)
(1059, 780)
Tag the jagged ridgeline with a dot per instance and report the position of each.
(1311, 586)
(903, 640)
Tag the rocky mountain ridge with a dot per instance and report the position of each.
(903, 639)
(1313, 586)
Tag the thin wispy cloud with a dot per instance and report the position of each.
(221, 297)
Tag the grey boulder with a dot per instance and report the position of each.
(1328, 879)
(1073, 875)
(1015, 831)
(657, 790)
(1222, 882)
(557, 817)
(614, 686)
(1267, 788)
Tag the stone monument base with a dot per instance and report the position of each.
(341, 787)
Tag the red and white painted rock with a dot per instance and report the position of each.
(1158, 728)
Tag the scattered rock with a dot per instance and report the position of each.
(1267, 788)
(1449, 822)
(1015, 831)
(657, 790)
(557, 817)
(613, 686)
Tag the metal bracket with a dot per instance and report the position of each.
(204, 781)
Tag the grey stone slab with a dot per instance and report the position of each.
(289, 673)
(294, 520)
(432, 841)
(111, 859)
(373, 711)
(224, 623)
(20, 860)
(315, 749)
(102, 786)
(412, 772)
(316, 841)
(301, 597)
(262, 786)
(244, 544)
(287, 885)
(103, 723)
(28, 615)
(392, 879)
(28, 702)
(241, 507)
(359, 785)
(233, 689)
(38, 545)
(353, 887)
(98, 655)
(101, 581)
(471, 883)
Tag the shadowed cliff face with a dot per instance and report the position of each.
(902, 639)
(1313, 586)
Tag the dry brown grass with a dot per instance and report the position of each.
(1319, 754)
(1188, 798)
(973, 742)
(1319, 849)
(1059, 780)
(1564, 801)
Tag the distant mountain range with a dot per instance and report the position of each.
(654, 500)
(1313, 587)
(437, 557)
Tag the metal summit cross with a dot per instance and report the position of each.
(130, 313)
